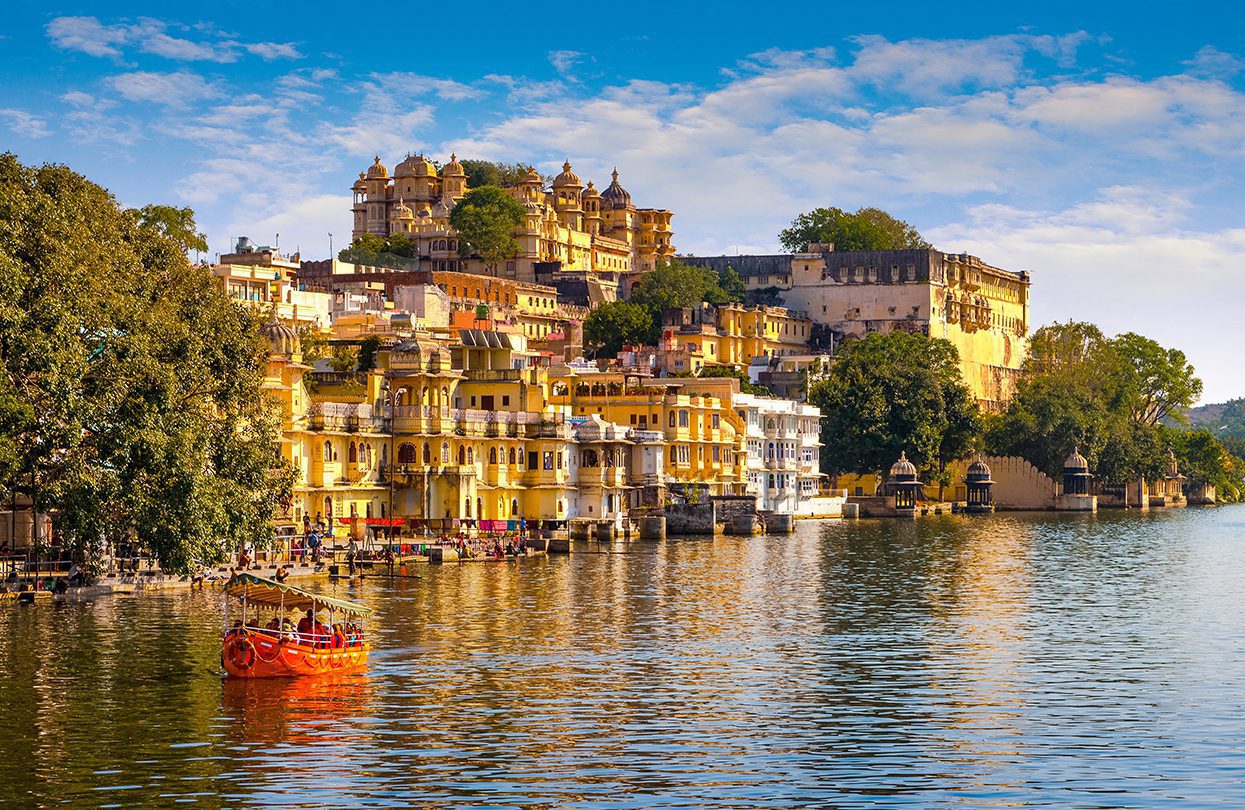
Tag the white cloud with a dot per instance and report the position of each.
(179, 89)
(88, 35)
(390, 88)
(24, 123)
(1126, 260)
(564, 62)
(150, 36)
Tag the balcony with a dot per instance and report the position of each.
(346, 418)
(325, 473)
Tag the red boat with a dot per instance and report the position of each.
(280, 634)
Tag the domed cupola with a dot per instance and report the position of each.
(567, 177)
(453, 168)
(903, 470)
(615, 195)
(282, 340)
(1076, 462)
(377, 170)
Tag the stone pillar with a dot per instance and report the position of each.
(559, 545)
(851, 511)
(779, 524)
(442, 554)
(652, 528)
(743, 525)
(605, 531)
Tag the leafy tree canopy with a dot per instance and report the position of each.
(611, 326)
(892, 393)
(396, 250)
(485, 219)
(867, 229)
(673, 284)
(490, 173)
(746, 385)
(174, 223)
(131, 402)
(1079, 388)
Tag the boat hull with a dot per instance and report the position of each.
(255, 655)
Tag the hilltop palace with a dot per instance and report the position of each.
(570, 227)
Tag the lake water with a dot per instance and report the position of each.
(1036, 660)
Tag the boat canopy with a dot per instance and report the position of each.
(271, 593)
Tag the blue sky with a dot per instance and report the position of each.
(1100, 146)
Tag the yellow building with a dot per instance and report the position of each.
(567, 227)
(729, 335)
(335, 438)
(704, 436)
(981, 309)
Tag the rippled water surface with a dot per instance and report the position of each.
(1035, 660)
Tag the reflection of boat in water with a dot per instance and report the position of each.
(276, 648)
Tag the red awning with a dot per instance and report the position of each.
(375, 521)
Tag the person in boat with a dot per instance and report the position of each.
(307, 626)
(338, 638)
(282, 575)
(287, 630)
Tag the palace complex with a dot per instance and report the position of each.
(476, 429)
(475, 404)
(569, 227)
(983, 310)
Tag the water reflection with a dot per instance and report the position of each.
(1003, 661)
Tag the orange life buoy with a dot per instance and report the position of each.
(242, 653)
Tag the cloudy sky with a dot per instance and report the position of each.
(1099, 146)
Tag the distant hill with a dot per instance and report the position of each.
(1224, 419)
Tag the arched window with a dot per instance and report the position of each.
(479, 507)
(467, 506)
(462, 455)
(512, 455)
(406, 454)
(514, 506)
(354, 453)
(672, 419)
(471, 455)
(328, 450)
(445, 452)
(492, 455)
(427, 453)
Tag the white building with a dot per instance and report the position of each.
(784, 451)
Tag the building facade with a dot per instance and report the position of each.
(783, 451)
(567, 227)
(982, 310)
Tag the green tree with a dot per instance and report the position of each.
(746, 385)
(174, 223)
(867, 229)
(1160, 382)
(368, 350)
(1103, 395)
(131, 402)
(611, 326)
(313, 342)
(344, 358)
(397, 251)
(491, 173)
(892, 393)
(1206, 460)
(673, 284)
(485, 219)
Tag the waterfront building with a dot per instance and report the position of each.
(335, 439)
(981, 309)
(704, 436)
(568, 226)
(783, 451)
